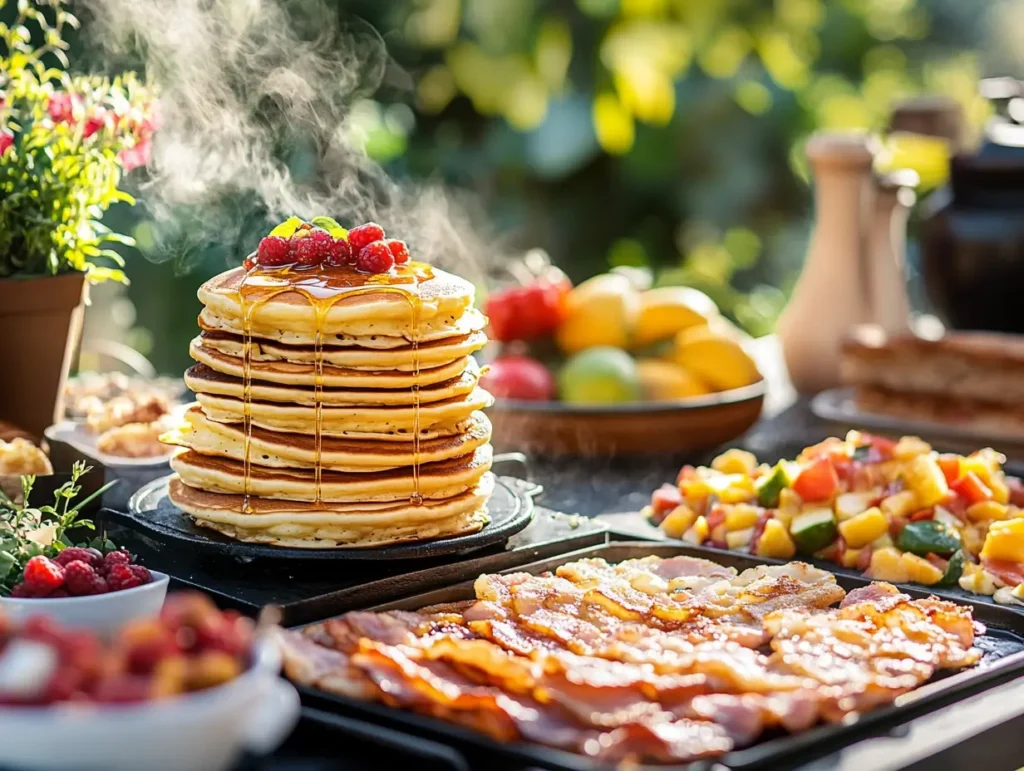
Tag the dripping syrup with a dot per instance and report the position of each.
(323, 287)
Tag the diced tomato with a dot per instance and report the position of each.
(896, 525)
(666, 498)
(864, 558)
(955, 505)
(950, 465)
(1010, 573)
(1016, 487)
(715, 516)
(923, 514)
(817, 482)
(846, 469)
(759, 528)
(971, 489)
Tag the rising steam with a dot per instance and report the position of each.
(244, 83)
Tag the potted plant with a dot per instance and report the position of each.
(65, 142)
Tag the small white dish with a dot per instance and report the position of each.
(78, 436)
(202, 731)
(102, 613)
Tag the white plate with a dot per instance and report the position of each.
(78, 436)
(838, 405)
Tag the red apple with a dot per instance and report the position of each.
(519, 377)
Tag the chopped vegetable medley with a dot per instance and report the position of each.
(896, 510)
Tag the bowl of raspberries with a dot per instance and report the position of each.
(85, 588)
(187, 688)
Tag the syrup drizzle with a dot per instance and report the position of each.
(323, 288)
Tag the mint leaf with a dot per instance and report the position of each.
(287, 228)
(331, 226)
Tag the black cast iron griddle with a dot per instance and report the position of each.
(151, 513)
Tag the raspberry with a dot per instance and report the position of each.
(119, 557)
(323, 243)
(123, 689)
(305, 251)
(22, 590)
(71, 554)
(43, 574)
(121, 577)
(81, 579)
(399, 251)
(59, 593)
(141, 572)
(273, 250)
(365, 234)
(375, 258)
(341, 253)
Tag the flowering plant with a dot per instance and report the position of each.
(64, 144)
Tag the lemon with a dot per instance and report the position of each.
(715, 358)
(600, 311)
(665, 381)
(667, 310)
(599, 375)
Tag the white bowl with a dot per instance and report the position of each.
(203, 731)
(102, 613)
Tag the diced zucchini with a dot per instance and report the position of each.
(954, 569)
(775, 541)
(851, 504)
(924, 476)
(678, 521)
(735, 462)
(814, 530)
(741, 516)
(739, 539)
(864, 528)
(770, 487)
(928, 537)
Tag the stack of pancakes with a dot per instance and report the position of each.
(385, 365)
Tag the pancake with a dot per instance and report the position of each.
(436, 329)
(282, 450)
(347, 421)
(370, 310)
(308, 525)
(334, 377)
(444, 479)
(202, 379)
(406, 359)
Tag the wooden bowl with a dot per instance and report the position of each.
(644, 428)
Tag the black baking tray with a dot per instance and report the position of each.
(1003, 647)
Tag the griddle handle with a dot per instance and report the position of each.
(525, 483)
(414, 746)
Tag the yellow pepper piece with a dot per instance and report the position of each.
(926, 479)
(864, 528)
(775, 541)
(741, 516)
(735, 462)
(987, 510)
(698, 533)
(909, 447)
(678, 521)
(919, 570)
(1005, 541)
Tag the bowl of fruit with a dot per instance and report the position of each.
(188, 689)
(615, 367)
(47, 568)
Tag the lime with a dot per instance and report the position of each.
(599, 375)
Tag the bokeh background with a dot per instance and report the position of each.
(664, 133)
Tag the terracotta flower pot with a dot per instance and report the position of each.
(40, 329)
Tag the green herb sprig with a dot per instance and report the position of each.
(27, 532)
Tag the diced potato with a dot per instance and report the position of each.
(739, 539)
(785, 516)
(789, 500)
(945, 517)
(902, 504)
(1018, 592)
(678, 521)
(851, 504)
(910, 447)
(973, 536)
(1000, 490)
(978, 581)
(987, 510)
(718, 533)
(920, 570)
(851, 557)
(1005, 596)
(887, 565)
(732, 488)
(1005, 541)
(775, 541)
(883, 542)
(741, 516)
(926, 479)
(698, 533)
(735, 462)
(864, 528)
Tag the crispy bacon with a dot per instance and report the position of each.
(645, 661)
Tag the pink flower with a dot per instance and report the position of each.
(134, 157)
(61, 107)
(94, 123)
(6, 141)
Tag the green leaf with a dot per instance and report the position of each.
(7, 563)
(331, 225)
(287, 228)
